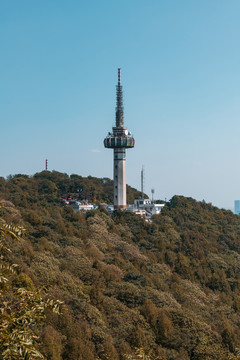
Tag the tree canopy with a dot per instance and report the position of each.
(169, 289)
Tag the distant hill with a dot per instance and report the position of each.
(52, 184)
(170, 287)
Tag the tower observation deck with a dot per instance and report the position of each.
(119, 140)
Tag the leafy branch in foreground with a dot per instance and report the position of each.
(21, 310)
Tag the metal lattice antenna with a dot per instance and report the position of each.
(119, 105)
(142, 182)
(152, 191)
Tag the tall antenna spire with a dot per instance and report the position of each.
(46, 166)
(119, 75)
(119, 105)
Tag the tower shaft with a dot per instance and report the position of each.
(119, 176)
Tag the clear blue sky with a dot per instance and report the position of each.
(180, 65)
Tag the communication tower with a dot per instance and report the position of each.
(142, 181)
(46, 165)
(152, 191)
(119, 140)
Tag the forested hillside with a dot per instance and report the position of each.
(23, 189)
(170, 287)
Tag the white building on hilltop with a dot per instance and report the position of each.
(147, 208)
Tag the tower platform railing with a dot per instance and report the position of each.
(112, 142)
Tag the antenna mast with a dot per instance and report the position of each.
(142, 182)
(46, 165)
(152, 191)
(119, 105)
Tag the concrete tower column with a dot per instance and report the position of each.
(119, 176)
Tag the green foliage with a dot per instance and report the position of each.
(21, 309)
(91, 188)
(171, 288)
(139, 354)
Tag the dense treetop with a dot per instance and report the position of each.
(170, 287)
(50, 185)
